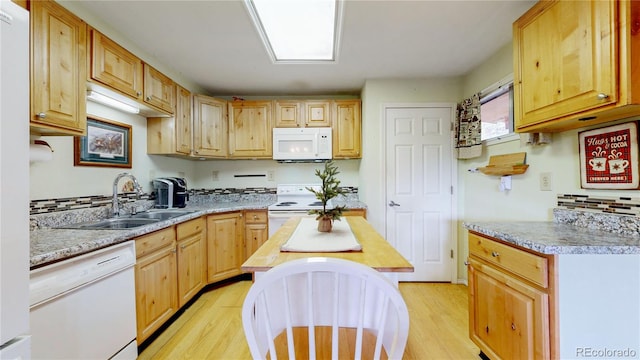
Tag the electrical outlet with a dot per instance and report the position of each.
(545, 181)
(214, 175)
(270, 175)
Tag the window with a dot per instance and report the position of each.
(294, 30)
(496, 110)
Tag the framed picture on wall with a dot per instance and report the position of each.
(107, 144)
(609, 157)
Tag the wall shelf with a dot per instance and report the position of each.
(507, 164)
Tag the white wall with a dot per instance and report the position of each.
(59, 178)
(295, 173)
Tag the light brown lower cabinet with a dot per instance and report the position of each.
(170, 270)
(225, 245)
(256, 231)
(192, 259)
(511, 311)
(156, 281)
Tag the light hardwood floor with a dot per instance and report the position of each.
(211, 328)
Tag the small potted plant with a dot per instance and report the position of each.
(330, 188)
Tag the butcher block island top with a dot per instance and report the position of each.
(376, 251)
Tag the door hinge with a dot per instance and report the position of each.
(452, 253)
(452, 127)
(451, 189)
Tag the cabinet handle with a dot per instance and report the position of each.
(602, 96)
(42, 115)
(255, 217)
(513, 326)
(182, 247)
(138, 93)
(495, 254)
(466, 263)
(174, 251)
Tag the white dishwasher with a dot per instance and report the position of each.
(84, 307)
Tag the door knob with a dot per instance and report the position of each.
(393, 203)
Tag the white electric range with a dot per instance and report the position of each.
(293, 200)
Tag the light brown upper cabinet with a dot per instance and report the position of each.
(347, 129)
(305, 113)
(577, 71)
(159, 90)
(115, 67)
(172, 135)
(58, 70)
(250, 130)
(209, 127)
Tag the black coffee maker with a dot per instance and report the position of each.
(170, 192)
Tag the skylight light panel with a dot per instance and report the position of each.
(297, 30)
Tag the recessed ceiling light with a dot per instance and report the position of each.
(298, 30)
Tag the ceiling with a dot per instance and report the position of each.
(215, 45)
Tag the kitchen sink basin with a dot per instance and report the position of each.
(129, 222)
(111, 224)
(160, 214)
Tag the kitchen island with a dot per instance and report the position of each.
(376, 251)
(553, 290)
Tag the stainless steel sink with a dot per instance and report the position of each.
(129, 222)
(111, 224)
(162, 214)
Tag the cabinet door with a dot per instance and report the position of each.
(255, 235)
(225, 244)
(114, 66)
(287, 114)
(172, 135)
(209, 127)
(317, 113)
(565, 56)
(58, 69)
(346, 129)
(192, 268)
(508, 319)
(250, 129)
(159, 90)
(183, 120)
(156, 290)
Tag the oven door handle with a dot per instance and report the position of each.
(286, 214)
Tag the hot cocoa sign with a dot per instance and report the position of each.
(609, 157)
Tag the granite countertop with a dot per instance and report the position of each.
(51, 245)
(558, 238)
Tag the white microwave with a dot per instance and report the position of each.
(302, 144)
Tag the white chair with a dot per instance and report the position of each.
(325, 292)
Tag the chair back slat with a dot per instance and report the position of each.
(331, 294)
(311, 323)
(287, 311)
(334, 323)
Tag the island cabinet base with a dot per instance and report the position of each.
(599, 306)
(511, 300)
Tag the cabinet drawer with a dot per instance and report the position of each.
(529, 266)
(146, 244)
(255, 217)
(189, 227)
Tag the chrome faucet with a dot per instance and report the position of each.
(115, 203)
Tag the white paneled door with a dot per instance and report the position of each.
(419, 179)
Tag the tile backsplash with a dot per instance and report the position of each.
(83, 202)
(601, 204)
